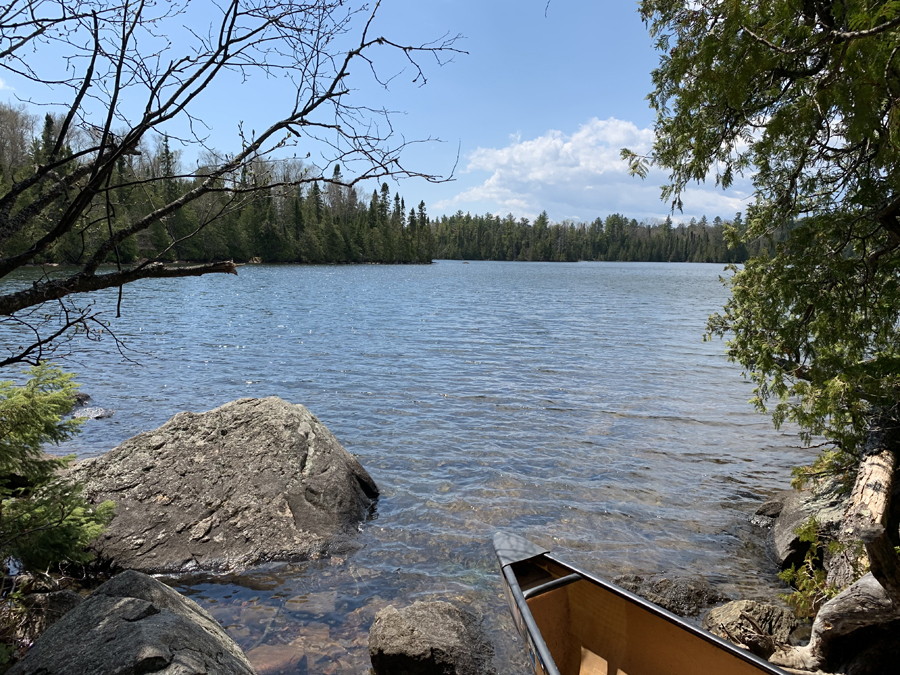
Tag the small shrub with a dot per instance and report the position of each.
(44, 520)
(811, 588)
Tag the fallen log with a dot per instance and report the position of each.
(867, 519)
(864, 604)
(841, 628)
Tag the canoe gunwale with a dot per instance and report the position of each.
(533, 632)
(645, 604)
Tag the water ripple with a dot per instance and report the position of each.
(576, 404)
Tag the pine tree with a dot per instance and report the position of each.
(426, 241)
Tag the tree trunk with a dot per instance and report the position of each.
(862, 605)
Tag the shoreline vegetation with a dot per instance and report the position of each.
(337, 223)
(804, 106)
(615, 239)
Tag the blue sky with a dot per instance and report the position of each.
(539, 110)
(533, 117)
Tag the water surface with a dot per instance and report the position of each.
(574, 403)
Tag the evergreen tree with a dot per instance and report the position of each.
(43, 519)
(806, 94)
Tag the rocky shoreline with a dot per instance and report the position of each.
(260, 480)
(254, 481)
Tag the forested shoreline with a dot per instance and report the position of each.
(616, 238)
(333, 223)
(278, 221)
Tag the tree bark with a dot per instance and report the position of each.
(861, 605)
(874, 599)
(85, 283)
(868, 518)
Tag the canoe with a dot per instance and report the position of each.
(574, 623)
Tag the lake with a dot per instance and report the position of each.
(576, 404)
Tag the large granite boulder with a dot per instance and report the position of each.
(45, 609)
(429, 638)
(134, 624)
(252, 481)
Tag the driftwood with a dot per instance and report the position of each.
(862, 605)
(874, 600)
(760, 628)
(868, 515)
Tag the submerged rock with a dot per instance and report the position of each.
(684, 597)
(93, 413)
(135, 624)
(251, 481)
(429, 638)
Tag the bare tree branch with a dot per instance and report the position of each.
(119, 58)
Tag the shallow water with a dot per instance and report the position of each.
(574, 403)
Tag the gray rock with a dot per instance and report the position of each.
(93, 413)
(134, 624)
(844, 565)
(761, 628)
(769, 510)
(772, 508)
(429, 638)
(45, 609)
(827, 501)
(252, 481)
(684, 597)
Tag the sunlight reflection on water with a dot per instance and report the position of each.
(573, 403)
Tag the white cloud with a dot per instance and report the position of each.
(4, 86)
(579, 176)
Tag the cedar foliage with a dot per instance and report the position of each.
(803, 98)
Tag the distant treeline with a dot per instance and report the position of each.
(315, 223)
(312, 225)
(287, 223)
(464, 236)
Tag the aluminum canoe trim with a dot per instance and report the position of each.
(511, 548)
(531, 633)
